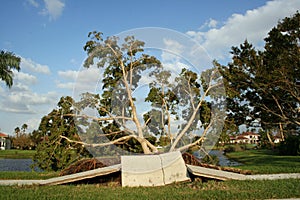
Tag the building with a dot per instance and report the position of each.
(277, 139)
(5, 142)
(245, 138)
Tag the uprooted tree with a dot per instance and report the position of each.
(182, 109)
(140, 103)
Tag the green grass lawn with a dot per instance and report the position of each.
(17, 154)
(27, 175)
(264, 161)
(259, 161)
(210, 190)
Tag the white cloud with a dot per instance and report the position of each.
(32, 66)
(53, 9)
(174, 49)
(69, 74)
(33, 123)
(253, 26)
(25, 78)
(21, 99)
(212, 23)
(33, 3)
(84, 80)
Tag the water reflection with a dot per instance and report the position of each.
(223, 160)
(16, 165)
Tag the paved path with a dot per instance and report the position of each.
(224, 175)
(67, 178)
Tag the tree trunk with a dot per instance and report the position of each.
(270, 140)
(281, 131)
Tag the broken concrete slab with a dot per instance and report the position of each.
(82, 175)
(153, 170)
(174, 167)
(214, 174)
(67, 178)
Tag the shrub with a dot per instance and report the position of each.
(290, 146)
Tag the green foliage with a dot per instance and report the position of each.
(290, 146)
(54, 152)
(23, 140)
(8, 63)
(180, 100)
(263, 86)
(264, 142)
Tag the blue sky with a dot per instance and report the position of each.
(49, 36)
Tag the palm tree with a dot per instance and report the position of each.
(17, 131)
(8, 61)
(24, 127)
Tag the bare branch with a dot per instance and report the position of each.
(183, 131)
(197, 141)
(124, 138)
(99, 119)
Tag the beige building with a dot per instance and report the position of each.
(4, 142)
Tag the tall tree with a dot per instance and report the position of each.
(263, 86)
(24, 128)
(179, 102)
(17, 131)
(8, 62)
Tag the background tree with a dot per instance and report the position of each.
(17, 131)
(22, 140)
(8, 62)
(263, 86)
(54, 152)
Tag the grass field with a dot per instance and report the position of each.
(196, 190)
(264, 161)
(17, 154)
(259, 161)
(6, 175)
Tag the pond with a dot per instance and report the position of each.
(24, 164)
(16, 165)
(223, 160)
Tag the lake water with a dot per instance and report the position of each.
(24, 164)
(16, 165)
(223, 160)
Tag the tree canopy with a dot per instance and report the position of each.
(8, 63)
(53, 151)
(263, 86)
(175, 107)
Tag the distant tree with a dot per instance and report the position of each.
(8, 62)
(24, 128)
(263, 86)
(54, 152)
(22, 140)
(17, 131)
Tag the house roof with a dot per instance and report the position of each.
(232, 137)
(240, 137)
(3, 135)
(249, 133)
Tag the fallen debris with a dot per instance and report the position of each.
(190, 159)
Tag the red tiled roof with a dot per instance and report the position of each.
(3, 135)
(249, 133)
(240, 137)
